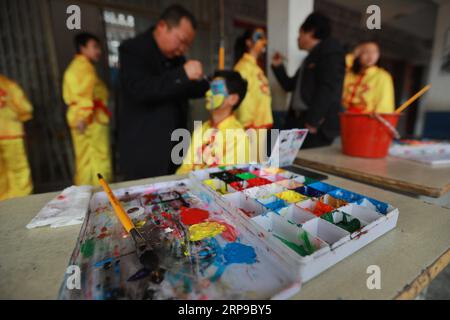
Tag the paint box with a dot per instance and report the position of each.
(310, 215)
(326, 231)
(245, 204)
(295, 214)
(291, 235)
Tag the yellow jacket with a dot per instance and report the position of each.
(372, 91)
(84, 93)
(255, 110)
(204, 150)
(14, 109)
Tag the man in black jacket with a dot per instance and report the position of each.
(317, 85)
(157, 83)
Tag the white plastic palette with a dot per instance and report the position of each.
(326, 225)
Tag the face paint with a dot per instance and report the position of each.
(216, 95)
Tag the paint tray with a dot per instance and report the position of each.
(328, 214)
(218, 256)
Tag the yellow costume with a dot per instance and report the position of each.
(255, 111)
(15, 175)
(204, 149)
(370, 91)
(86, 97)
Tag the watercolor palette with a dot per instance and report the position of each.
(204, 252)
(314, 223)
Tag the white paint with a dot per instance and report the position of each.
(284, 18)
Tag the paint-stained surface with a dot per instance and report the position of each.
(202, 253)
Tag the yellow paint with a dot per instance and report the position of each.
(205, 230)
(140, 224)
(272, 170)
(216, 185)
(291, 196)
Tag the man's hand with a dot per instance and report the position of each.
(194, 69)
(312, 130)
(81, 126)
(277, 59)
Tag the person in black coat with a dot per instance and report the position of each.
(317, 85)
(156, 84)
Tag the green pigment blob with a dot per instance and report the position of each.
(87, 248)
(246, 176)
(297, 248)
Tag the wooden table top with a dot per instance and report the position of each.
(392, 173)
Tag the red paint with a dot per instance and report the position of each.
(256, 182)
(238, 185)
(230, 233)
(167, 215)
(248, 213)
(235, 171)
(322, 208)
(61, 197)
(190, 216)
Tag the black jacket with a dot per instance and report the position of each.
(154, 102)
(320, 86)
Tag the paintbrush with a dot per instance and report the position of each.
(147, 256)
(412, 99)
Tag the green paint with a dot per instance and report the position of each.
(309, 180)
(350, 226)
(309, 247)
(328, 217)
(87, 248)
(297, 248)
(246, 176)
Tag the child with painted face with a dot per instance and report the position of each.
(222, 139)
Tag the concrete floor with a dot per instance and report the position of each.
(439, 288)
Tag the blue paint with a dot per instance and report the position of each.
(140, 274)
(272, 203)
(346, 195)
(380, 206)
(103, 262)
(324, 187)
(236, 252)
(309, 192)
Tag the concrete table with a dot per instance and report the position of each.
(33, 262)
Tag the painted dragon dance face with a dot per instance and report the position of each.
(216, 94)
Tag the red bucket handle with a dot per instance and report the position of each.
(389, 126)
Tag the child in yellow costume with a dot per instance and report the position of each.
(367, 87)
(222, 139)
(87, 115)
(255, 111)
(15, 109)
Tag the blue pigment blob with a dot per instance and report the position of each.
(239, 253)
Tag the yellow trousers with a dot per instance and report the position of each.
(15, 174)
(92, 154)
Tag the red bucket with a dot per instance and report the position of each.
(367, 135)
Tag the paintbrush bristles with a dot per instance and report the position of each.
(99, 176)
